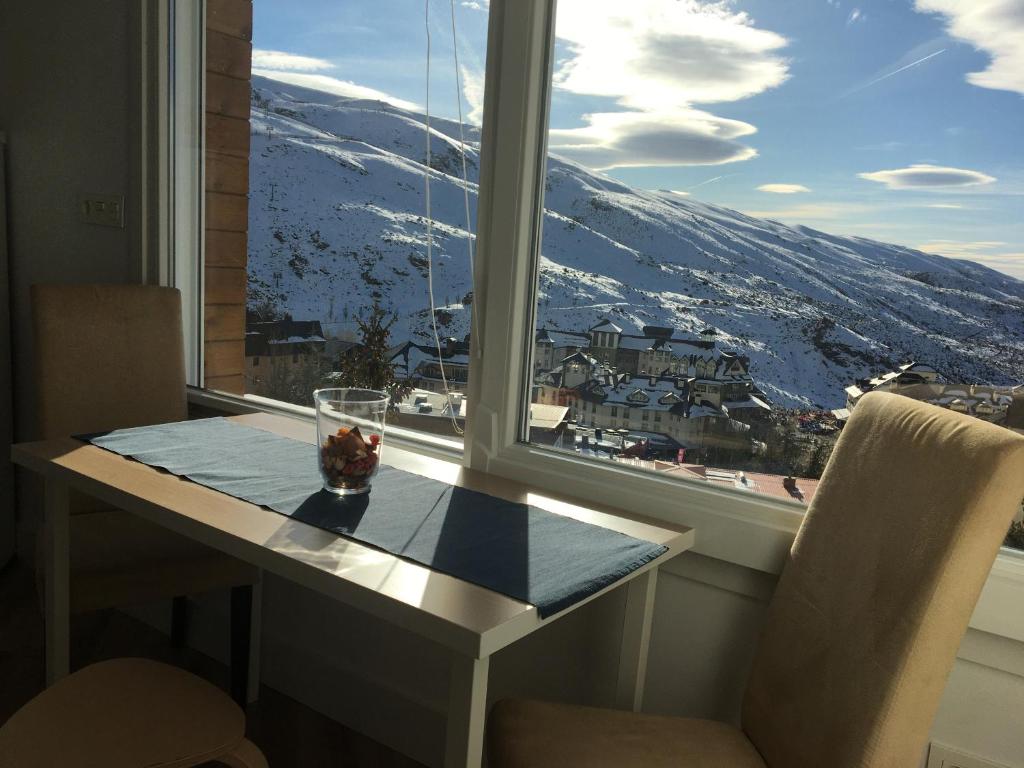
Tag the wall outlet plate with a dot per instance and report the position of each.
(104, 210)
(941, 756)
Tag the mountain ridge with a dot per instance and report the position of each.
(337, 219)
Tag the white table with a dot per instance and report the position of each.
(471, 621)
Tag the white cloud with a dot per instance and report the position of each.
(649, 54)
(473, 92)
(679, 192)
(334, 86)
(631, 139)
(986, 252)
(959, 248)
(476, 5)
(279, 60)
(925, 176)
(783, 189)
(657, 60)
(993, 26)
(797, 214)
(855, 16)
(949, 206)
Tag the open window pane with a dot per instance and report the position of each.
(335, 233)
(754, 212)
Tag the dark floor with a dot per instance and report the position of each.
(290, 734)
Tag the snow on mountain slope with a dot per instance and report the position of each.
(336, 218)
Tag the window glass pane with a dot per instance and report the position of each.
(336, 283)
(756, 211)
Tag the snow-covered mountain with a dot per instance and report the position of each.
(336, 218)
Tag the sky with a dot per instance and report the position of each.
(898, 120)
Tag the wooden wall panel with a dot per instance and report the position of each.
(228, 357)
(227, 173)
(228, 71)
(230, 17)
(227, 212)
(227, 135)
(225, 285)
(225, 322)
(225, 249)
(227, 96)
(232, 382)
(226, 55)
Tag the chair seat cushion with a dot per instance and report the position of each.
(123, 713)
(535, 734)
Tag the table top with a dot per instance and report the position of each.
(463, 616)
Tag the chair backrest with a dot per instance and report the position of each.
(879, 587)
(107, 356)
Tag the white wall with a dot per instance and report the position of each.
(69, 97)
(69, 104)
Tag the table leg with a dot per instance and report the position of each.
(58, 606)
(255, 641)
(467, 711)
(636, 639)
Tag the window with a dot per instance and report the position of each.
(317, 170)
(607, 250)
(667, 218)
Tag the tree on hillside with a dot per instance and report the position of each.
(368, 365)
(819, 459)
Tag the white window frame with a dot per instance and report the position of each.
(734, 526)
(172, 119)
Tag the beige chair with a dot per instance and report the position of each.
(111, 356)
(128, 713)
(865, 622)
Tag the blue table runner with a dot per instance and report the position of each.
(527, 553)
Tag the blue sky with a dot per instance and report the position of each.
(900, 120)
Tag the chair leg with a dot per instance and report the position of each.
(241, 627)
(244, 755)
(179, 621)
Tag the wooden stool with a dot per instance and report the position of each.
(127, 713)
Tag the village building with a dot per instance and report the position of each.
(421, 365)
(922, 382)
(666, 411)
(551, 347)
(280, 348)
(656, 350)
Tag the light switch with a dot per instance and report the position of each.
(104, 210)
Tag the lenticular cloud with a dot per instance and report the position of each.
(657, 60)
(924, 176)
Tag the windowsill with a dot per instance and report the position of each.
(997, 611)
(422, 442)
